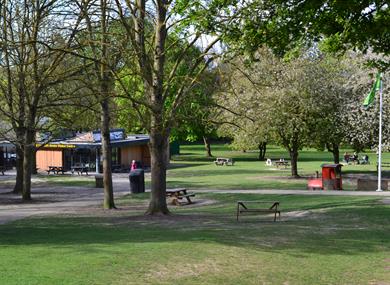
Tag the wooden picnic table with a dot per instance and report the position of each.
(223, 161)
(178, 194)
(79, 169)
(281, 163)
(55, 169)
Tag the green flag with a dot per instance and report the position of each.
(371, 96)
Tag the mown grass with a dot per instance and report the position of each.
(320, 240)
(192, 169)
(65, 180)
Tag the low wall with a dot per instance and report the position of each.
(370, 184)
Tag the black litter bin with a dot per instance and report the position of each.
(137, 181)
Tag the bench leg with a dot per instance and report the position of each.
(238, 211)
(189, 200)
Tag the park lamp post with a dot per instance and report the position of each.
(367, 101)
(380, 136)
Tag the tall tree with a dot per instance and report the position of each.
(152, 24)
(30, 66)
(100, 44)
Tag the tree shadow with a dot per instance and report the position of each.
(352, 228)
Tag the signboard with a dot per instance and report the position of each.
(56, 145)
(115, 135)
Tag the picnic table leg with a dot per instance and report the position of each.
(189, 200)
(238, 210)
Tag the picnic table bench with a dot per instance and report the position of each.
(178, 194)
(383, 165)
(281, 163)
(56, 169)
(246, 207)
(79, 170)
(277, 162)
(223, 161)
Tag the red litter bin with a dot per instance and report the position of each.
(331, 177)
(330, 180)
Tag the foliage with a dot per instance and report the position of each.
(339, 25)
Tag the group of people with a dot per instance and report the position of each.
(355, 158)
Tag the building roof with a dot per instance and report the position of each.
(86, 140)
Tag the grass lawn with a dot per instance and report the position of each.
(320, 240)
(65, 180)
(192, 169)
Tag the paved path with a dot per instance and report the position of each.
(60, 199)
(300, 192)
(53, 200)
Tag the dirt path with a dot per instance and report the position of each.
(50, 200)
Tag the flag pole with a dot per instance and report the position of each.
(380, 138)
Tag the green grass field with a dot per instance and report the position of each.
(192, 169)
(320, 240)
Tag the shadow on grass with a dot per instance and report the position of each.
(347, 227)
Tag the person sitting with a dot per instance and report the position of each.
(355, 158)
(346, 157)
(364, 159)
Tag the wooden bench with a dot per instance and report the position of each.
(223, 161)
(383, 165)
(243, 207)
(178, 194)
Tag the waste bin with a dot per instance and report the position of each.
(137, 181)
(331, 177)
(99, 181)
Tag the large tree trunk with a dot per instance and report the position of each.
(294, 161)
(27, 164)
(159, 155)
(335, 150)
(207, 146)
(108, 202)
(262, 150)
(159, 132)
(18, 188)
(336, 154)
(105, 88)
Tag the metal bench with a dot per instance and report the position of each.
(243, 207)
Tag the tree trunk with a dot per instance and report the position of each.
(27, 164)
(18, 188)
(335, 150)
(106, 84)
(108, 202)
(294, 162)
(159, 154)
(262, 150)
(34, 162)
(207, 146)
(159, 132)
